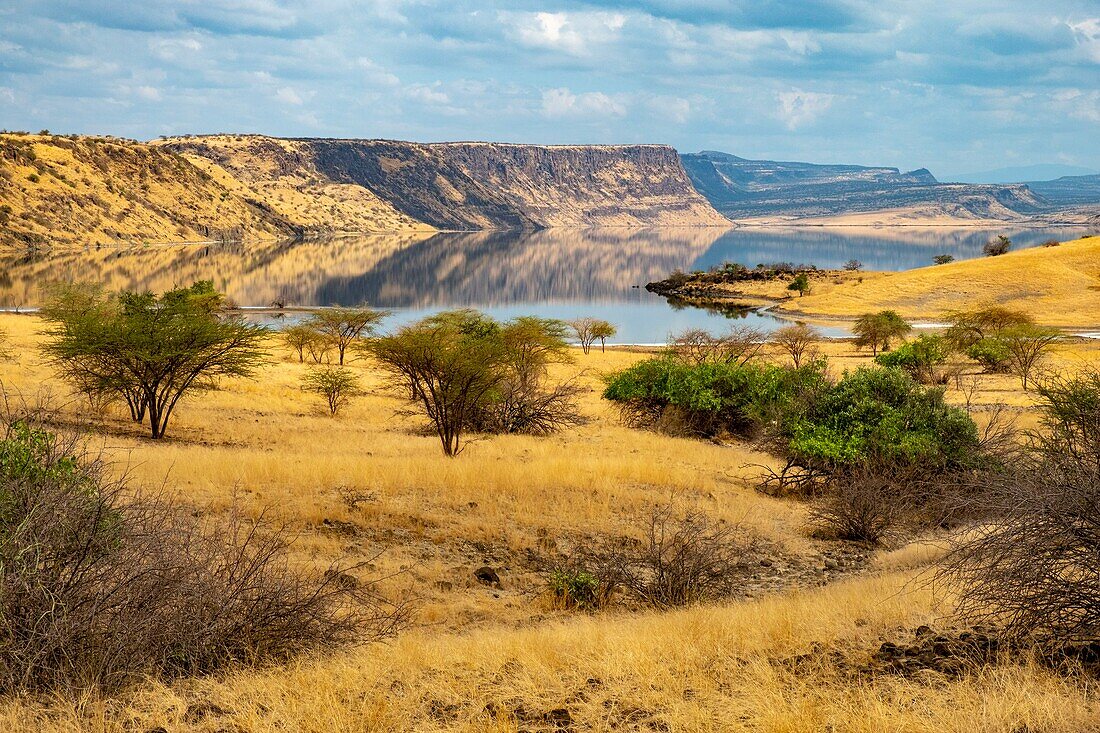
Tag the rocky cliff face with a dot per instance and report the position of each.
(472, 186)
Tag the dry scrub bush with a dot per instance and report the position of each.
(100, 586)
(868, 505)
(678, 561)
(737, 346)
(1032, 566)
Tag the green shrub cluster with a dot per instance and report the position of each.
(872, 414)
(919, 357)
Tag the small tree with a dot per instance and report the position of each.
(943, 259)
(801, 283)
(584, 330)
(603, 330)
(150, 350)
(341, 327)
(968, 327)
(798, 340)
(1026, 347)
(469, 372)
(877, 330)
(999, 246)
(853, 265)
(335, 384)
(298, 338)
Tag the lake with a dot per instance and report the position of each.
(559, 273)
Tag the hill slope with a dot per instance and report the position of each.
(741, 188)
(1058, 286)
(469, 186)
(98, 190)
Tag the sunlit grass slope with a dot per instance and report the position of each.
(1058, 286)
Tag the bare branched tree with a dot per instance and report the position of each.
(798, 340)
(737, 346)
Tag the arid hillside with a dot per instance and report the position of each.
(88, 190)
(1058, 286)
(468, 186)
(99, 190)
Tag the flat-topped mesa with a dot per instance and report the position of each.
(479, 185)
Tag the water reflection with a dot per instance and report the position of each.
(558, 273)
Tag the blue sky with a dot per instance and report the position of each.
(954, 86)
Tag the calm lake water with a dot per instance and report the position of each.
(551, 273)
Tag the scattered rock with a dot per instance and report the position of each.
(341, 579)
(487, 575)
(831, 564)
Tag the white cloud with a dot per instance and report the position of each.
(573, 33)
(375, 75)
(7, 94)
(424, 94)
(286, 95)
(148, 92)
(561, 102)
(1087, 35)
(797, 107)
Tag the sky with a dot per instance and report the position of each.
(955, 86)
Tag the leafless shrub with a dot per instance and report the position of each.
(679, 560)
(100, 585)
(865, 505)
(1031, 567)
(798, 341)
(737, 346)
(527, 407)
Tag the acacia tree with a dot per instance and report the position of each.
(342, 327)
(298, 338)
(335, 384)
(968, 327)
(150, 350)
(1026, 347)
(603, 330)
(469, 372)
(448, 362)
(801, 283)
(877, 330)
(584, 330)
(798, 340)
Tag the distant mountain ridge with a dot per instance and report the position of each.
(745, 189)
(1021, 173)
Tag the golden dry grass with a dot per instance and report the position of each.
(1058, 286)
(371, 480)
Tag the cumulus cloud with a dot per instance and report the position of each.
(287, 95)
(561, 102)
(798, 107)
(938, 85)
(572, 33)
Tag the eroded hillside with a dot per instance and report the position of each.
(470, 186)
(98, 190)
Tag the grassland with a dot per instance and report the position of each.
(503, 659)
(1058, 286)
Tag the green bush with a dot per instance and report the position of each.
(992, 353)
(882, 415)
(576, 589)
(918, 358)
(710, 398)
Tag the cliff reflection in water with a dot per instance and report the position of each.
(577, 269)
(442, 270)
